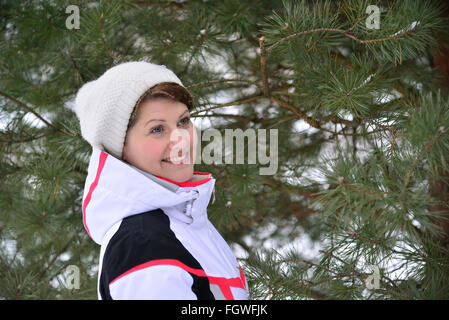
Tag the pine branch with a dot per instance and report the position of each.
(284, 189)
(233, 103)
(355, 235)
(106, 48)
(213, 82)
(297, 112)
(29, 109)
(357, 22)
(429, 259)
(341, 31)
(57, 255)
(440, 131)
(263, 66)
(365, 191)
(174, 4)
(332, 54)
(23, 141)
(19, 289)
(315, 124)
(224, 115)
(55, 27)
(75, 66)
(358, 274)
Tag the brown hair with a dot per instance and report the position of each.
(170, 90)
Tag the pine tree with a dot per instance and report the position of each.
(353, 88)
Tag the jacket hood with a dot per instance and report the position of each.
(115, 190)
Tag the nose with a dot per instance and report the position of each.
(178, 136)
(179, 142)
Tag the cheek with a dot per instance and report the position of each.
(145, 150)
(193, 137)
(154, 150)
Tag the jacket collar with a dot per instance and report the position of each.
(115, 190)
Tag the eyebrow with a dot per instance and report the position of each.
(164, 120)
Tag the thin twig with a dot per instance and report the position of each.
(313, 46)
(365, 191)
(173, 4)
(23, 141)
(75, 66)
(263, 66)
(440, 131)
(357, 22)
(41, 274)
(224, 115)
(344, 32)
(114, 58)
(313, 122)
(48, 15)
(296, 111)
(358, 274)
(210, 83)
(271, 291)
(335, 119)
(19, 288)
(355, 235)
(431, 260)
(23, 105)
(232, 103)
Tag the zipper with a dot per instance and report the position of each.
(189, 206)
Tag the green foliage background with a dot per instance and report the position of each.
(361, 115)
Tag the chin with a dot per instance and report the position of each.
(181, 176)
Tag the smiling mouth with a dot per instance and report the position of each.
(178, 160)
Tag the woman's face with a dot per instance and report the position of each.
(161, 142)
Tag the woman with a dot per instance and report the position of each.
(143, 202)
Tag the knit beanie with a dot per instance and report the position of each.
(104, 106)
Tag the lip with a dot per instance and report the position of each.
(181, 163)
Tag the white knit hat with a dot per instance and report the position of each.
(104, 106)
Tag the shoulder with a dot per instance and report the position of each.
(150, 225)
(144, 252)
(140, 239)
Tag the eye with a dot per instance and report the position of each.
(155, 130)
(185, 121)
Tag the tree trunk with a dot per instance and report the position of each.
(439, 189)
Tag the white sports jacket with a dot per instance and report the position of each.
(156, 239)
